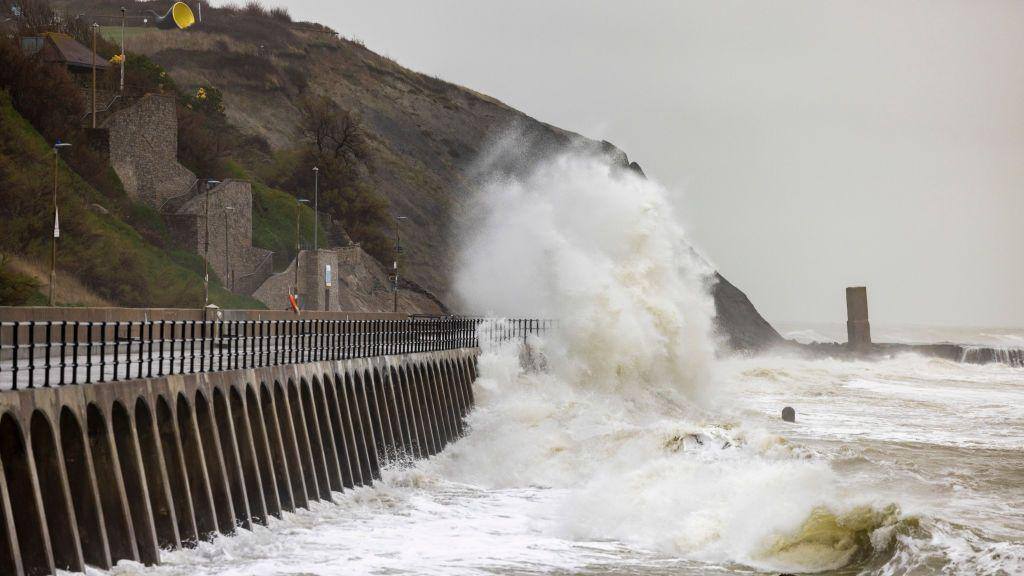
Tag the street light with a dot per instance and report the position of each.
(56, 218)
(298, 248)
(398, 251)
(227, 253)
(206, 247)
(95, 29)
(123, 14)
(316, 207)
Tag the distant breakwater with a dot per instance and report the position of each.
(953, 352)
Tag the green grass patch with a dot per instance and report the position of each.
(273, 220)
(106, 254)
(113, 33)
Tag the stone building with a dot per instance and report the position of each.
(142, 142)
(241, 266)
(144, 151)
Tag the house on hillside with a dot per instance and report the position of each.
(57, 48)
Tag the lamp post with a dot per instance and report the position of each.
(56, 218)
(206, 246)
(227, 252)
(95, 29)
(316, 208)
(298, 248)
(123, 11)
(398, 251)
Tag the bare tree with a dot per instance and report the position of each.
(31, 16)
(335, 131)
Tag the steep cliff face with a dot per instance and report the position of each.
(738, 322)
(425, 135)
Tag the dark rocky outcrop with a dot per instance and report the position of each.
(738, 322)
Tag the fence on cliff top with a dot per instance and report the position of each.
(57, 353)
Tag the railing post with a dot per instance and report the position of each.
(181, 346)
(16, 327)
(315, 343)
(289, 339)
(257, 346)
(202, 347)
(235, 342)
(63, 349)
(192, 347)
(242, 337)
(334, 341)
(74, 349)
(31, 353)
(372, 352)
(354, 338)
(360, 349)
(88, 352)
(233, 345)
(248, 349)
(218, 329)
(276, 341)
(117, 352)
(49, 350)
(103, 352)
(347, 338)
(149, 349)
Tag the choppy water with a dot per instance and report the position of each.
(550, 481)
(621, 445)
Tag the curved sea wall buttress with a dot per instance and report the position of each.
(93, 474)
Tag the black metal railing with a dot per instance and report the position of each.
(56, 353)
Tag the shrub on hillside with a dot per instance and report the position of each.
(335, 143)
(43, 93)
(16, 289)
(203, 143)
(254, 8)
(143, 76)
(280, 13)
(250, 24)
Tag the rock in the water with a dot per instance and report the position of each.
(788, 414)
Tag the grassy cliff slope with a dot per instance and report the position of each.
(97, 249)
(423, 134)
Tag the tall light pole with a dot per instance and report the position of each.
(56, 218)
(95, 29)
(298, 248)
(316, 207)
(123, 11)
(206, 246)
(398, 251)
(227, 252)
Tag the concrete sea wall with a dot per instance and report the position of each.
(93, 474)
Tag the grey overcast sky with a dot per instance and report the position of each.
(809, 145)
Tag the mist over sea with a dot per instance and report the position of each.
(624, 443)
